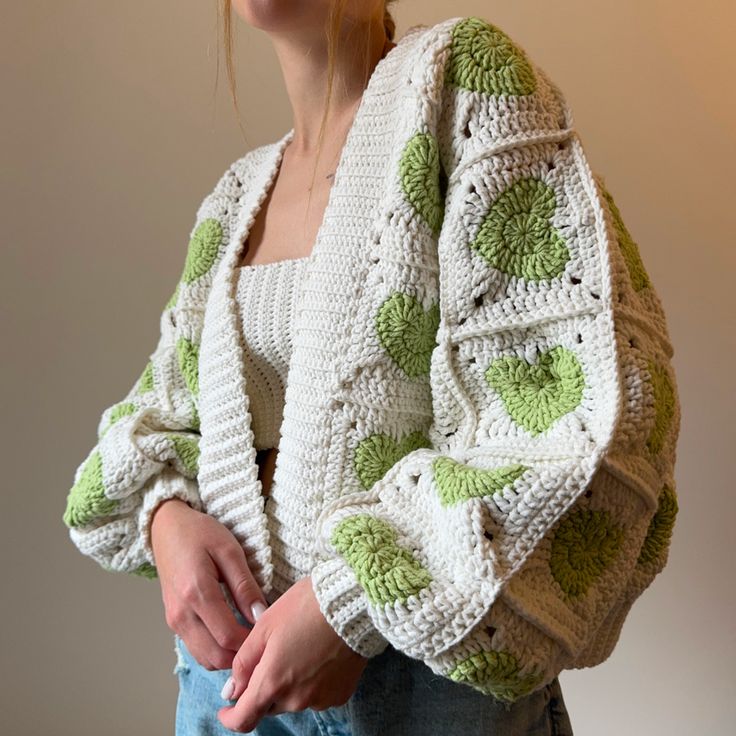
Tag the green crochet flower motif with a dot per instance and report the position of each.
(86, 499)
(419, 168)
(495, 673)
(484, 59)
(659, 534)
(629, 249)
(377, 453)
(458, 482)
(187, 450)
(118, 411)
(145, 382)
(188, 356)
(387, 571)
(146, 570)
(517, 237)
(174, 298)
(536, 396)
(203, 249)
(660, 529)
(664, 406)
(586, 541)
(408, 332)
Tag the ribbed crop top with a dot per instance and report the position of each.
(266, 298)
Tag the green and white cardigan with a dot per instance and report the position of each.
(477, 452)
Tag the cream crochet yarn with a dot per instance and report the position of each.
(478, 443)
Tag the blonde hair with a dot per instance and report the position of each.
(332, 31)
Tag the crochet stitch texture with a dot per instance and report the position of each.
(266, 297)
(479, 435)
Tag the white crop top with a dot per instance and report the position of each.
(266, 298)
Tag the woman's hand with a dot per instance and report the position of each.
(292, 659)
(193, 553)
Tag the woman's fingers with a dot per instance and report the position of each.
(220, 620)
(200, 620)
(197, 557)
(247, 659)
(203, 646)
(233, 566)
(254, 703)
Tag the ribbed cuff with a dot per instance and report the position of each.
(167, 484)
(343, 603)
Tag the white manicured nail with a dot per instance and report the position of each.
(227, 689)
(257, 608)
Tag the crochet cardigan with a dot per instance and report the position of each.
(481, 412)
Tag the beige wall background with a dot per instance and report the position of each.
(111, 137)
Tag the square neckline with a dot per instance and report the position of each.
(255, 266)
(284, 142)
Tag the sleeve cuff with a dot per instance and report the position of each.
(167, 484)
(342, 602)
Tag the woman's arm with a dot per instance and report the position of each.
(502, 549)
(142, 473)
(148, 442)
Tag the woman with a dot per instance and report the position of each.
(423, 299)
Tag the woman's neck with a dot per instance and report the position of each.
(304, 67)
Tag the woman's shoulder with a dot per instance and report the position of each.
(483, 45)
(224, 199)
(231, 181)
(216, 219)
(475, 57)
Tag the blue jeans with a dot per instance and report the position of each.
(396, 696)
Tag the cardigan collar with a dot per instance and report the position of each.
(336, 269)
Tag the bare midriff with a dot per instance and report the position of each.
(266, 460)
